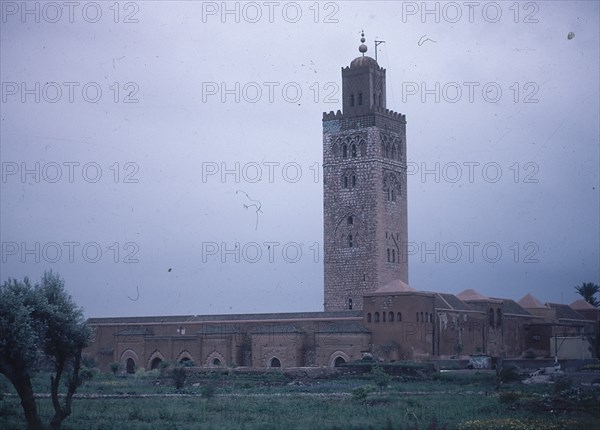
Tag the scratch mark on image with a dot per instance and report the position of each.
(252, 203)
(424, 39)
(138, 295)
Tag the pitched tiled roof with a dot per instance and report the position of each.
(565, 312)
(471, 294)
(454, 302)
(395, 286)
(511, 307)
(582, 305)
(530, 302)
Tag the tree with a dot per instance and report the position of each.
(588, 290)
(41, 322)
(381, 378)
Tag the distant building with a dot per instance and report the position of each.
(369, 306)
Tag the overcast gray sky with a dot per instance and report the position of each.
(140, 143)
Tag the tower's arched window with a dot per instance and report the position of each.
(393, 195)
(369, 317)
(399, 319)
(344, 150)
(374, 99)
(350, 242)
(388, 255)
(351, 100)
(393, 255)
(417, 317)
(350, 220)
(376, 316)
(498, 317)
(345, 182)
(383, 316)
(393, 152)
(349, 304)
(353, 150)
(380, 100)
(363, 148)
(422, 320)
(360, 99)
(353, 181)
(491, 318)
(391, 318)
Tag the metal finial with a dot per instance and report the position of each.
(377, 43)
(362, 48)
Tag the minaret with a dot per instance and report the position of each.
(364, 189)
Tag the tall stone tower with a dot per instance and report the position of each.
(364, 189)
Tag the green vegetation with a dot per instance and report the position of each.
(40, 326)
(588, 291)
(179, 376)
(224, 399)
(115, 366)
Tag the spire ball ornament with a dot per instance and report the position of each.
(362, 48)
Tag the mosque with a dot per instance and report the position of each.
(369, 307)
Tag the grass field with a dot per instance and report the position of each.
(271, 401)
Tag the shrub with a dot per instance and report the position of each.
(458, 348)
(208, 391)
(509, 397)
(89, 361)
(381, 378)
(115, 366)
(562, 383)
(154, 373)
(86, 374)
(360, 394)
(178, 375)
(508, 373)
(187, 363)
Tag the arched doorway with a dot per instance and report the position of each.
(130, 365)
(155, 363)
(215, 359)
(275, 362)
(337, 358)
(339, 361)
